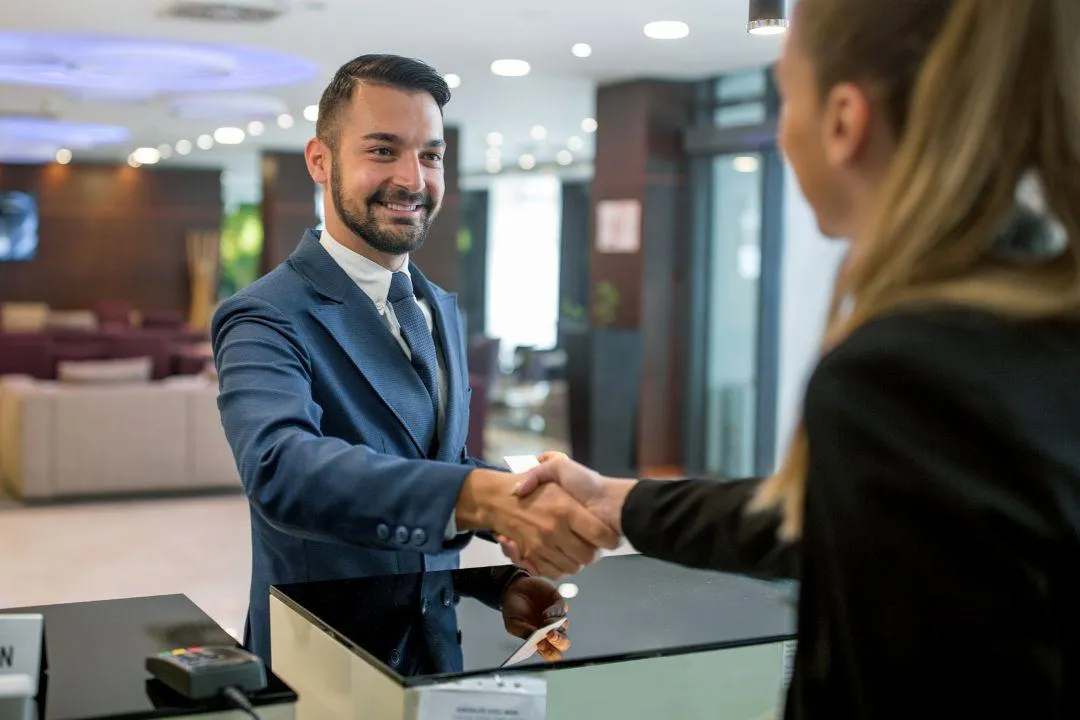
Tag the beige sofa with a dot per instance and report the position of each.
(67, 439)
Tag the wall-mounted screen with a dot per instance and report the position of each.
(18, 226)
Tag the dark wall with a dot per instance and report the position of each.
(472, 295)
(438, 259)
(110, 232)
(574, 252)
(288, 205)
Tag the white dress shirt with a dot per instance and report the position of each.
(374, 280)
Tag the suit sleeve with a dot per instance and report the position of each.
(705, 524)
(934, 540)
(299, 480)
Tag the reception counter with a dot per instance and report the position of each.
(96, 661)
(649, 640)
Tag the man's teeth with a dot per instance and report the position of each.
(401, 208)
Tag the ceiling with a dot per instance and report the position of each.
(456, 36)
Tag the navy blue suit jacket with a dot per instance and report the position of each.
(311, 383)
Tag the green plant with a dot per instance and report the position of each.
(464, 241)
(606, 300)
(572, 311)
(241, 248)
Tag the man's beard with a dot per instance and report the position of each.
(395, 236)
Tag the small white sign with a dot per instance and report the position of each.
(501, 698)
(618, 226)
(20, 646)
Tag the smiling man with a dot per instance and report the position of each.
(344, 390)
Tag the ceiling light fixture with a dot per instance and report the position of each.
(538, 132)
(495, 139)
(453, 80)
(183, 147)
(205, 142)
(63, 156)
(574, 144)
(767, 17)
(255, 128)
(667, 30)
(311, 113)
(526, 162)
(165, 150)
(510, 68)
(745, 164)
(589, 125)
(493, 166)
(133, 162)
(564, 157)
(285, 121)
(146, 156)
(229, 135)
(581, 50)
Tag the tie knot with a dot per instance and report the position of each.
(400, 287)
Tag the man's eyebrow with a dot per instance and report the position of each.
(393, 139)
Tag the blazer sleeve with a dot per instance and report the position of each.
(931, 536)
(705, 524)
(299, 480)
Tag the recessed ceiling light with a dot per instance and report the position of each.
(589, 125)
(495, 139)
(526, 162)
(205, 142)
(493, 166)
(770, 27)
(564, 157)
(311, 113)
(133, 162)
(667, 30)
(165, 149)
(574, 144)
(745, 164)
(183, 147)
(63, 156)
(146, 155)
(510, 68)
(453, 80)
(538, 132)
(494, 153)
(285, 121)
(581, 50)
(229, 135)
(255, 128)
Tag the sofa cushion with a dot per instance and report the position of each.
(126, 370)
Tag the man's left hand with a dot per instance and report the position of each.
(530, 603)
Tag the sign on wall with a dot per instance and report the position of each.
(618, 226)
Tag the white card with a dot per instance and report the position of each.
(527, 650)
(521, 463)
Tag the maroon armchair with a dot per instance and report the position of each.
(25, 354)
(113, 313)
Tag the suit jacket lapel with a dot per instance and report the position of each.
(444, 309)
(354, 323)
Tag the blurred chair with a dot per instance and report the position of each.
(72, 321)
(113, 313)
(163, 320)
(157, 345)
(25, 354)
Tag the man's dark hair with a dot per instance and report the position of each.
(390, 70)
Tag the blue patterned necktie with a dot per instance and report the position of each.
(418, 337)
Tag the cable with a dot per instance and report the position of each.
(237, 697)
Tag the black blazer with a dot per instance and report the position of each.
(940, 564)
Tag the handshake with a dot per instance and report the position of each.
(552, 520)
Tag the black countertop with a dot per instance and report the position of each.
(97, 652)
(425, 628)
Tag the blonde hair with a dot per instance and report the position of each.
(979, 93)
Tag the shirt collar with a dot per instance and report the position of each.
(369, 276)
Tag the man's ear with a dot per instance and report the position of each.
(846, 127)
(318, 158)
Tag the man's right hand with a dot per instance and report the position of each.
(555, 533)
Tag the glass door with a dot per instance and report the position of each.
(732, 328)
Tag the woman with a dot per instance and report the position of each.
(930, 501)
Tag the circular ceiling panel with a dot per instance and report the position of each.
(228, 107)
(16, 131)
(118, 66)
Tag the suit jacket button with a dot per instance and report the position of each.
(401, 534)
(395, 657)
(447, 598)
(383, 532)
(419, 537)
